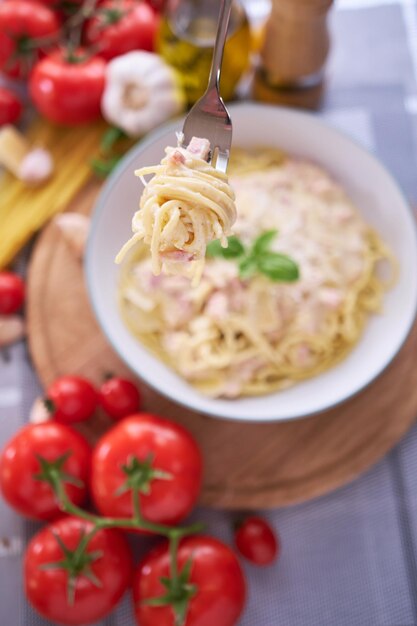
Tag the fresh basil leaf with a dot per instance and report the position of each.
(278, 267)
(263, 242)
(248, 267)
(234, 249)
(214, 249)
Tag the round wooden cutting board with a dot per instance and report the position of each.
(247, 466)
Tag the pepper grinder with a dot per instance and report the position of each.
(294, 53)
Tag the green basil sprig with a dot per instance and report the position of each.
(258, 258)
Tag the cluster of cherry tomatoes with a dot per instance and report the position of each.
(60, 47)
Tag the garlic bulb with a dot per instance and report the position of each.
(141, 92)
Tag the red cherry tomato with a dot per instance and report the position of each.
(67, 89)
(256, 541)
(119, 397)
(20, 22)
(12, 293)
(71, 399)
(98, 586)
(10, 107)
(167, 447)
(19, 466)
(121, 26)
(215, 570)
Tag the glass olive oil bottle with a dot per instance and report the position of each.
(186, 38)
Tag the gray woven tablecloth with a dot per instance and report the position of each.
(349, 558)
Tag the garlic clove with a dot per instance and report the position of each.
(39, 413)
(12, 328)
(74, 227)
(36, 166)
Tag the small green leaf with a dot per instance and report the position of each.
(263, 242)
(278, 267)
(234, 249)
(110, 137)
(248, 267)
(103, 167)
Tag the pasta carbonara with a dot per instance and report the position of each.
(186, 204)
(232, 335)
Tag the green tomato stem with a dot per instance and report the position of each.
(137, 522)
(174, 541)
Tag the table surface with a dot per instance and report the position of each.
(349, 558)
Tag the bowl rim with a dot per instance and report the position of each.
(98, 208)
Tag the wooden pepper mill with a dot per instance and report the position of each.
(294, 53)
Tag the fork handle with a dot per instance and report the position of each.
(222, 26)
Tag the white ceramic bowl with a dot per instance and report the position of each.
(372, 189)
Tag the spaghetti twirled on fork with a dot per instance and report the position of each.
(186, 204)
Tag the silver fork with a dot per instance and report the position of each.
(209, 117)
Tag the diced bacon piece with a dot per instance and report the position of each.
(176, 317)
(332, 298)
(177, 158)
(177, 256)
(237, 294)
(199, 147)
(218, 306)
(343, 214)
(303, 355)
(232, 389)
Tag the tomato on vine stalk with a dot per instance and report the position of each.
(74, 573)
(187, 581)
(208, 590)
(27, 29)
(26, 460)
(120, 26)
(66, 86)
(155, 456)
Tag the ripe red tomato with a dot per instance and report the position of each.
(100, 579)
(256, 541)
(20, 22)
(12, 292)
(158, 445)
(67, 89)
(10, 107)
(121, 26)
(71, 399)
(19, 466)
(119, 397)
(215, 570)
